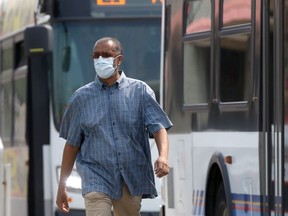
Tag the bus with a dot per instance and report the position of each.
(45, 55)
(224, 72)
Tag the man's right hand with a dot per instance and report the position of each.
(62, 199)
(69, 155)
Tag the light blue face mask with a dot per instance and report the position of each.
(104, 67)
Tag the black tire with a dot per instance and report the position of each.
(221, 208)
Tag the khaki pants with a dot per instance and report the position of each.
(100, 204)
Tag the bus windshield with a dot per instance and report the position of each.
(73, 45)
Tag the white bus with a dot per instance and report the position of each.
(45, 55)
(225, 88)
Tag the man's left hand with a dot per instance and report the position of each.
(161, 167)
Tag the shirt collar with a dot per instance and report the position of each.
(119, 82)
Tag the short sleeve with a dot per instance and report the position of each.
(154, 116)
(70, 127)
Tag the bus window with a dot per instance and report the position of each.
(196, 80)
(140, 60)
(236, 12)
(20, 59)
(6, 94)
(235, 68)
(198, 16)
(7, 58)
(6, 109)
(20, 95)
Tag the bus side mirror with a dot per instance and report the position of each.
(38, 39)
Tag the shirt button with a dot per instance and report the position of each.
(116, 138)
(119, 153)
(113, 123)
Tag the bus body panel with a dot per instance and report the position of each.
(243, 170)
(190, 155)
(178, 184)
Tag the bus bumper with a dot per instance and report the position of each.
(82, 213)
(72, 212)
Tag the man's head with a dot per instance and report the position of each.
(107, 55)
(107, 47)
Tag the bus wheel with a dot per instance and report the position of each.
(221, 203)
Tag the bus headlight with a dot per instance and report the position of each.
(73, 183)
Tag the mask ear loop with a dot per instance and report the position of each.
(117, 57)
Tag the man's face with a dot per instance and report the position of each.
(106, 49)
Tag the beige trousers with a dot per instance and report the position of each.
(100, 204)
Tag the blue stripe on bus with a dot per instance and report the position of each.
(242, 204)
(245, 204)
(198, 202)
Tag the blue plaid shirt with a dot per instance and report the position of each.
(111, 126)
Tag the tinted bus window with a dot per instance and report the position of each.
(141, 54)
(6, 108)
(7, 58)
(198, 16)
(20, 107)
(196, 78)
(6, 92)
(235, 68)
(236, 12)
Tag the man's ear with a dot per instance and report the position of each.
(120, 60)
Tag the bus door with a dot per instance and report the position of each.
(280, 130)
(275, 119)
(285, 69)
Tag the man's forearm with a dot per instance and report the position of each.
(161, 166)
(162, 142)
(68, 159)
